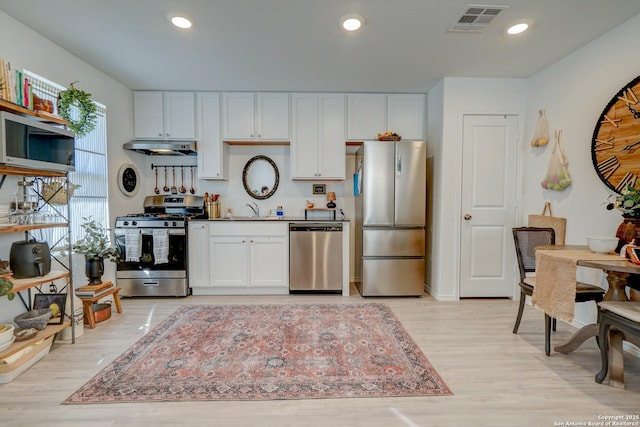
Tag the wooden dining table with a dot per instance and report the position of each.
(555, 290)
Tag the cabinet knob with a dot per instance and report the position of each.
(160, 134)
(467, 217)
(259, 135)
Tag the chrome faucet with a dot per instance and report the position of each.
(254, 207)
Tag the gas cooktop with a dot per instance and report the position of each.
(156, 215)
(168, 210)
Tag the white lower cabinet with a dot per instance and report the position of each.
(198, 250)
(247, 258)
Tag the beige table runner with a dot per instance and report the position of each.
(555, 290)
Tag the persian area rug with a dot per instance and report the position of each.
(264, 352)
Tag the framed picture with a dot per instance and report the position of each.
(319, 189)
(56, 302)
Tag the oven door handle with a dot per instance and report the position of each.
(150, 284)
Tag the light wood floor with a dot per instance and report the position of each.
(498, 379)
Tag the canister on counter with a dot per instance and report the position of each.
(213, 210)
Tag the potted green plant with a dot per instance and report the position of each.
(6, 285)
(96, 247)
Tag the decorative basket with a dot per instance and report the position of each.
(389, 138)
(34, 319)
(54, 192)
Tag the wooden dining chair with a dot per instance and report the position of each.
(526, 239)
(619, 320)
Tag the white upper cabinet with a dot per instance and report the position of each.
(212, 152)
(248, 116)
(366, 116)
(164, 115)
(318, 136)
(272, 116)
(370, 114)
(238, 116)
(406, 115)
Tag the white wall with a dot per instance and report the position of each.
(450, 101)
(25, 48)
(435, 134)
(39, 55)
(292, 195)
(574, 92)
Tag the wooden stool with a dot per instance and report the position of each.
(88, 301)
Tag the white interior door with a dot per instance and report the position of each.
(489, 160)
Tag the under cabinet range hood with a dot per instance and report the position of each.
(162, 148)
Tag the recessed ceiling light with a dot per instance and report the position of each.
(352, 22)
(181, 22)
(518, 28)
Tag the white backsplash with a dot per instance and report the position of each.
(291, 195)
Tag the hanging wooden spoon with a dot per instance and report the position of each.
(174, 189)
(156, 189)
(182, 188)
(192, 190)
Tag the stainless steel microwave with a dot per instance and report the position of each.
(29, 143)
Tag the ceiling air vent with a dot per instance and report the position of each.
(474, 18)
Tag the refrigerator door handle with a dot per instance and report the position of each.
(399, 165)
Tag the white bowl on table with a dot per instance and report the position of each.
(602, 244)
(6, 333)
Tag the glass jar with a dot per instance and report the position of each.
(25, 203)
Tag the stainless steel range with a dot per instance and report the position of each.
(153, 246)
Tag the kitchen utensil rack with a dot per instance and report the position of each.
(172, 166)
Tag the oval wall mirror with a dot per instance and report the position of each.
(260, 177)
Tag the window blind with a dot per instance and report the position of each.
(91, 171)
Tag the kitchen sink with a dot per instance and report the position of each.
(253, 218)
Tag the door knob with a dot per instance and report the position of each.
(467, 217)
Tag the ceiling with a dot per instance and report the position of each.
(296, 45)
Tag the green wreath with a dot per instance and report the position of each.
(87, 116)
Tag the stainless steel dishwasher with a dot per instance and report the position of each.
(315, 257)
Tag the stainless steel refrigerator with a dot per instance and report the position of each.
(390, 197)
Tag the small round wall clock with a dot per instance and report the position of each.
(128, 179)
(615, 147)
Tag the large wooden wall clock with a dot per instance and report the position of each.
(615, 147)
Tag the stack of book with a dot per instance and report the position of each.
(90, 291)
(15, 86)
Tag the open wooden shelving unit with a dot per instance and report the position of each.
(16, 109)
(41, 335)
(19, 285)
(24, 284)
